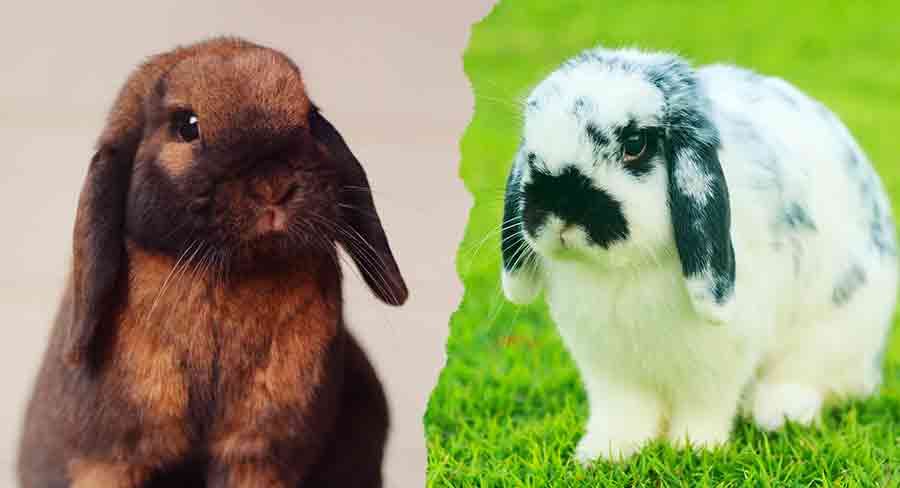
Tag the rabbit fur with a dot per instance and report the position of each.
(744, 261)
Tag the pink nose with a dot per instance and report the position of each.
(272, 219)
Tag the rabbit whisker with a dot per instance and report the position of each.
(165, 284)
(374, 264)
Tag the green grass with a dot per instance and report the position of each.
(509, 407)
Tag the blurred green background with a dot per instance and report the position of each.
(509, 407)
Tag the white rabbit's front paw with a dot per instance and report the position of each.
(623, 419)
(616, 437)
(775, 402)
(700, 434)
(704, 422)
(594, 446)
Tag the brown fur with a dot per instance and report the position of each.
(189, 349)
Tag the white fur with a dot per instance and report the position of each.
(693, 181)
(652, 364)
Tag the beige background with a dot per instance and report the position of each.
(388, 75)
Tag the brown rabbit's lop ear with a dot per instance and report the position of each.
(363, 238)
(99, 249)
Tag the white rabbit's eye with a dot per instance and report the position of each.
(634, 144)
(186, 125)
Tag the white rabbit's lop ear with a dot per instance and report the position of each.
(522, 276)
(698, 194)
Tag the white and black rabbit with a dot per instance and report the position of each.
(707, 239)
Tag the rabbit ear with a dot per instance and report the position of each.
(363, 238)
(700, 212)
(99, 248)
(521, 276)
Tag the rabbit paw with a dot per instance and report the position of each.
(594, 446)
(700, 434)
(773, 403)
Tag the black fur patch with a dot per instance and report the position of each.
(512, 243)
(571, 197)
(597, 138)
(702, 230)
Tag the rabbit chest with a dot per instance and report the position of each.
(187, 348)
(640, 327)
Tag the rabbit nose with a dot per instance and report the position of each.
(272, 219)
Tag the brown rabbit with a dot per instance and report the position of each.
(201, 339)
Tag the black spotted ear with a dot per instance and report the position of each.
(364, 238)
(521, 274)
(99, 249)
(700, 212)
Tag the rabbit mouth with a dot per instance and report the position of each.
(561, 239)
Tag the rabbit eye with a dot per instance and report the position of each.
(634, 145)
(186, 125)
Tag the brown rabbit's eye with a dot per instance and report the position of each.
(186, 125)
(634, 145)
